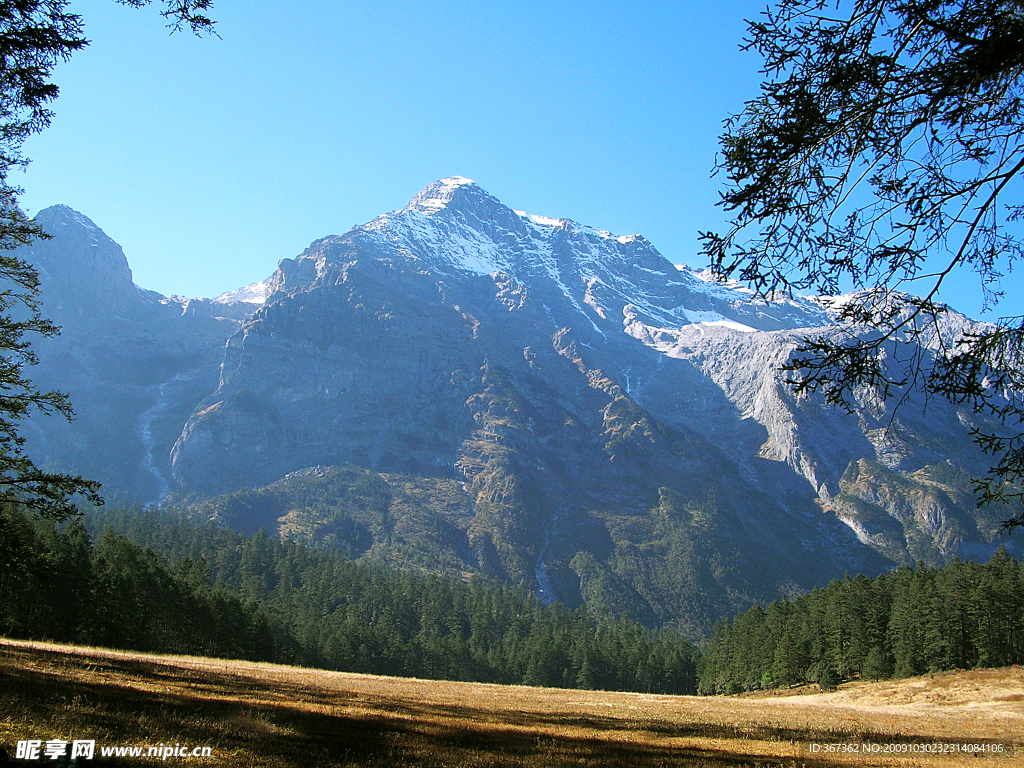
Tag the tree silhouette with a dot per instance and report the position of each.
(883, 155)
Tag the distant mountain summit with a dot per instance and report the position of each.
(463, 387)
(81, 265)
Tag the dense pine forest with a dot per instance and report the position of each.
(153, 581)
(909, 621)
(148, 581)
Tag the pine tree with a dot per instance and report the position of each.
(828, 680)
(876, 665)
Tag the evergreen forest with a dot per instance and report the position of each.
(906, 622)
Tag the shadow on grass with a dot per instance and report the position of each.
(48, 694)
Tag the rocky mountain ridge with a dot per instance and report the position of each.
(523, 397)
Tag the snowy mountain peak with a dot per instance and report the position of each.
(437, 195)
(609, 283)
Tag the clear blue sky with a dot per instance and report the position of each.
(209, 160)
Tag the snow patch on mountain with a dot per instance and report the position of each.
(713, 318)
(255, 293)
(544, 221)
(416, 234)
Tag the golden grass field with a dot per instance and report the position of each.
(267, 715)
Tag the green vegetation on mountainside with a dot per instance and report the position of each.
(915, 517)
(387, 518)
(672, 560)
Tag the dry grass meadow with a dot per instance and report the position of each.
(267, 715)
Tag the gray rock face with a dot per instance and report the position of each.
(618, 426)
